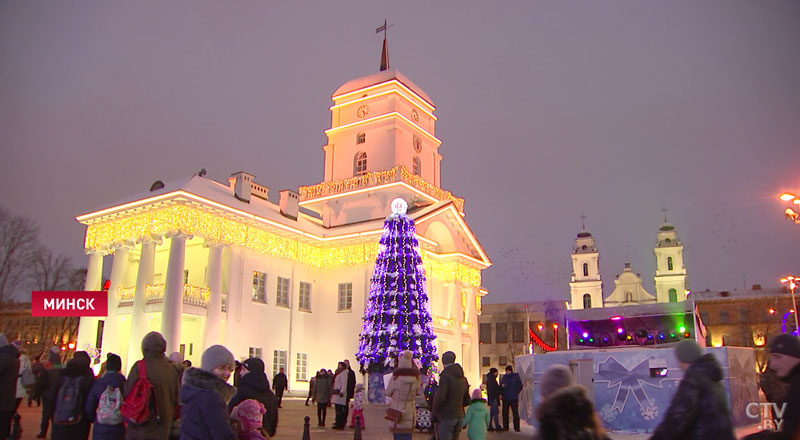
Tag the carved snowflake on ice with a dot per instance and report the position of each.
(607, 413)
(650, 412)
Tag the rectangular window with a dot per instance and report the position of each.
(99, 338)
(744, 317)
(723, 317)
(485, 333)
(305, 297)
(503, 361)
(345, 296)
(486, 361)
(302, 366)
(501, 332)
(282, 297)
(278, 361)
(259, 286)
(255, 352)
(518, 331)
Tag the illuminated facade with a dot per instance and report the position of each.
(206, 262)
(586, 285)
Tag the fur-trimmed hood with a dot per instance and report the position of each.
(197, 382)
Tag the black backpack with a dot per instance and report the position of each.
(69, 402)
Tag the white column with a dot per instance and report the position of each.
(236, 289)
(214, 305)
(173, 293)
(111, 336)
(87, 329)
(144, 276)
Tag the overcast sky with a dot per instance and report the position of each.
(547, 111)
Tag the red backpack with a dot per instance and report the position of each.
(139, 406)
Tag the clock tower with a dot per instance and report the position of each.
(670, 279)
(586, 286)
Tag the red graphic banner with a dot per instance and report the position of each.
(86, 303)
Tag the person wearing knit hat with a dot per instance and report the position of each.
(476, 420)
(699, 408)
(451, 398)
(554, 378)
(247, 417)
(402, 389)
(784, 360)
(70, 423)
(104, 426)
(205, 394)
(165, 379)
(253, 384)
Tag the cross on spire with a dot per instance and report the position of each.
(583, 221)
(385, 52)
(664, 210)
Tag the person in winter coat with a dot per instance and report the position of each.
(358, 407)
(351, 388)
(247, 418)
(280, 384)
(339, 396)
(784, 360)
(311, 390)
(164, 378)
(493, 395)
(49, 380)
(9, 370)
(565, 412)
(36, 393)
(205, 394)
(111, 380)
(25, 373)
(77, 368)
(176, 360)
(450, 399)
(253, 384)
(403, 389)
(476, 419)
(699, 409)
(510, 386)
(322, 394)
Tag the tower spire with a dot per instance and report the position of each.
(385, 52)
(583, 221)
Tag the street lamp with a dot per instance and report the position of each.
(792, 281)
(791, 213)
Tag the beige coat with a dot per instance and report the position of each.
(402, 390)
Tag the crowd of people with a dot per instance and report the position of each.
(166, 398)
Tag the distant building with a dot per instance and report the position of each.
(503, 331)
(586, 284)
(37, 333)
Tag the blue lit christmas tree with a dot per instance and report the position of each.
(397, 317)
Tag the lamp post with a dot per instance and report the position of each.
(791, 213)
(792, 280)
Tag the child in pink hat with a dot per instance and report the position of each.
(247, 418)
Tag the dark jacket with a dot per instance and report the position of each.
(9, 369)
(492, 387)
(351, 383)
(452, 395)
(322, 388)
(791, 415)
(511, 385)
(568, 414)
(80, 430)
(254, 385)
(100, 431)
(699, 409)
(205, 415)
(164, 377)
(280, 383)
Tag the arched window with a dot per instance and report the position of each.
(585, 269)
(360, 163)
(628, 297)
(417, 166)
(669, 263)
(673, 296)
(361, 138)
(587, 301)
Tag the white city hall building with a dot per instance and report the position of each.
(206, 263)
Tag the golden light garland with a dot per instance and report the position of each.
(466, 326)
(443, 322)
(478, 304)
(398, 173)
(126, 295)
(228, 231)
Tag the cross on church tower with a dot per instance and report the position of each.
(385, 52)
(664, 210)
(583, 221)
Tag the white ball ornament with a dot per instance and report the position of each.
(399, 206)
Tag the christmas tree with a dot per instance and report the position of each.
(397, 317)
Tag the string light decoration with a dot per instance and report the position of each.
(396, 317)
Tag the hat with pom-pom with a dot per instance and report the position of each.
(249, 414)
(405, 360)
